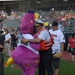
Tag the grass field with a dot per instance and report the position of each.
(66, 68)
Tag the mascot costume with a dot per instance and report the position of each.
(26, 56)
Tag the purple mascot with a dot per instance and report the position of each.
(26, 56)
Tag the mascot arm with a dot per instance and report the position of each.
(35, 46)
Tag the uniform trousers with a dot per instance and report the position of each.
(46, 62)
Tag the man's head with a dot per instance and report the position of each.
(7, 31)
(38, 25)
(54, 25)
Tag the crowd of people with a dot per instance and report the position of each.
(8, 42)
(12, 38)
(46, 16)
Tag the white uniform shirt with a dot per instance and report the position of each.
(58, 38)
(44, 35)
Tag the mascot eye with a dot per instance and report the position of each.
(31, 21)
(28, 29)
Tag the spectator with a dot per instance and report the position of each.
(71, 45)
(14, 40)
(19, 37)
(7, 43)
(58, 45)
(2, 38)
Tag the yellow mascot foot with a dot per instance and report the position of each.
(9, 62)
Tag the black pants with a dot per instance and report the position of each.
(14, 44)
(45, 62)
(1, 64)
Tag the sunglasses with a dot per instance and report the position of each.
(36, 26)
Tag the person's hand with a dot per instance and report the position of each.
(48, 43)
(24, 41)
(1, 46)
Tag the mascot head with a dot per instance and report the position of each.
(27, 22)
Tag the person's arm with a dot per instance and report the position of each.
(1, 46)
(8, 40)
(62, 47)
(68, 46)
(62, 41)
(37, 40)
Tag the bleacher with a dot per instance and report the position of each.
(11, 22)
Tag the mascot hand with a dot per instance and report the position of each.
(9, 62)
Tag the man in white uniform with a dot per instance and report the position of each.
(58, 45)
(7, 43)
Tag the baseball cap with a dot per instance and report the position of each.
(38, 22)
(54, 23)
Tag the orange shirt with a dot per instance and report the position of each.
(72, 42)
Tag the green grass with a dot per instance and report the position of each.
(12, 71)
(66, 68)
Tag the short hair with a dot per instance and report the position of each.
(7, 30)
(54, 23)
